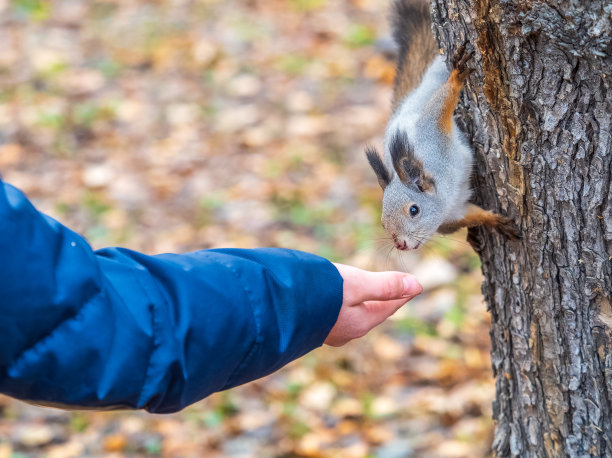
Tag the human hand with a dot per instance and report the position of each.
(369, 298)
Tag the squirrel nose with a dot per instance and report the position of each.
(403, 245)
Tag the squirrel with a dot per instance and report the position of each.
(425, 173)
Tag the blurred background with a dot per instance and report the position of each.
(181, 125)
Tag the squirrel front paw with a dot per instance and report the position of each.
(506, 227)
(460, 59)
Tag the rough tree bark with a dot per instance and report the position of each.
(538, 110)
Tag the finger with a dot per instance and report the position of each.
(389, 307)
(379, 311)
(357, 321)
(361, 286)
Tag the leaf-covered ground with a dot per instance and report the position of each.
(181, 125)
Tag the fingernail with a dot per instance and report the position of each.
(412, 287)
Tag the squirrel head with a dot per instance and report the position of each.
(411, 210)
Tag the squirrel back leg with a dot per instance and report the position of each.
(453, 87)
(476, 216)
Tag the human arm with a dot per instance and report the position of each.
(115, 328)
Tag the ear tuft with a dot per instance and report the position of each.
(409, 169)
(379, 167)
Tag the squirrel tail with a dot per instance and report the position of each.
(411, 23)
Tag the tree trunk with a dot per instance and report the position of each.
(538, 111)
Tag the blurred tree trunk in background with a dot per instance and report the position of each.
(538, 110)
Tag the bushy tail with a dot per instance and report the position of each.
(417, 47)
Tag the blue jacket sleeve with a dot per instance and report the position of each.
(118, 329)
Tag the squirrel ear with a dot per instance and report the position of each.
(379, 167)
(409, 169)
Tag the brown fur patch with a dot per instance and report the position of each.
(453, 87)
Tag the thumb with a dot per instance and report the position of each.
(361, 286)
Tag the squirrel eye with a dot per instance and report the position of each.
(414, 210)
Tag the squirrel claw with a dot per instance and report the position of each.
(506, 227)
(474, 238)
(461, 57)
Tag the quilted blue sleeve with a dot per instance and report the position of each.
(118, 329)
